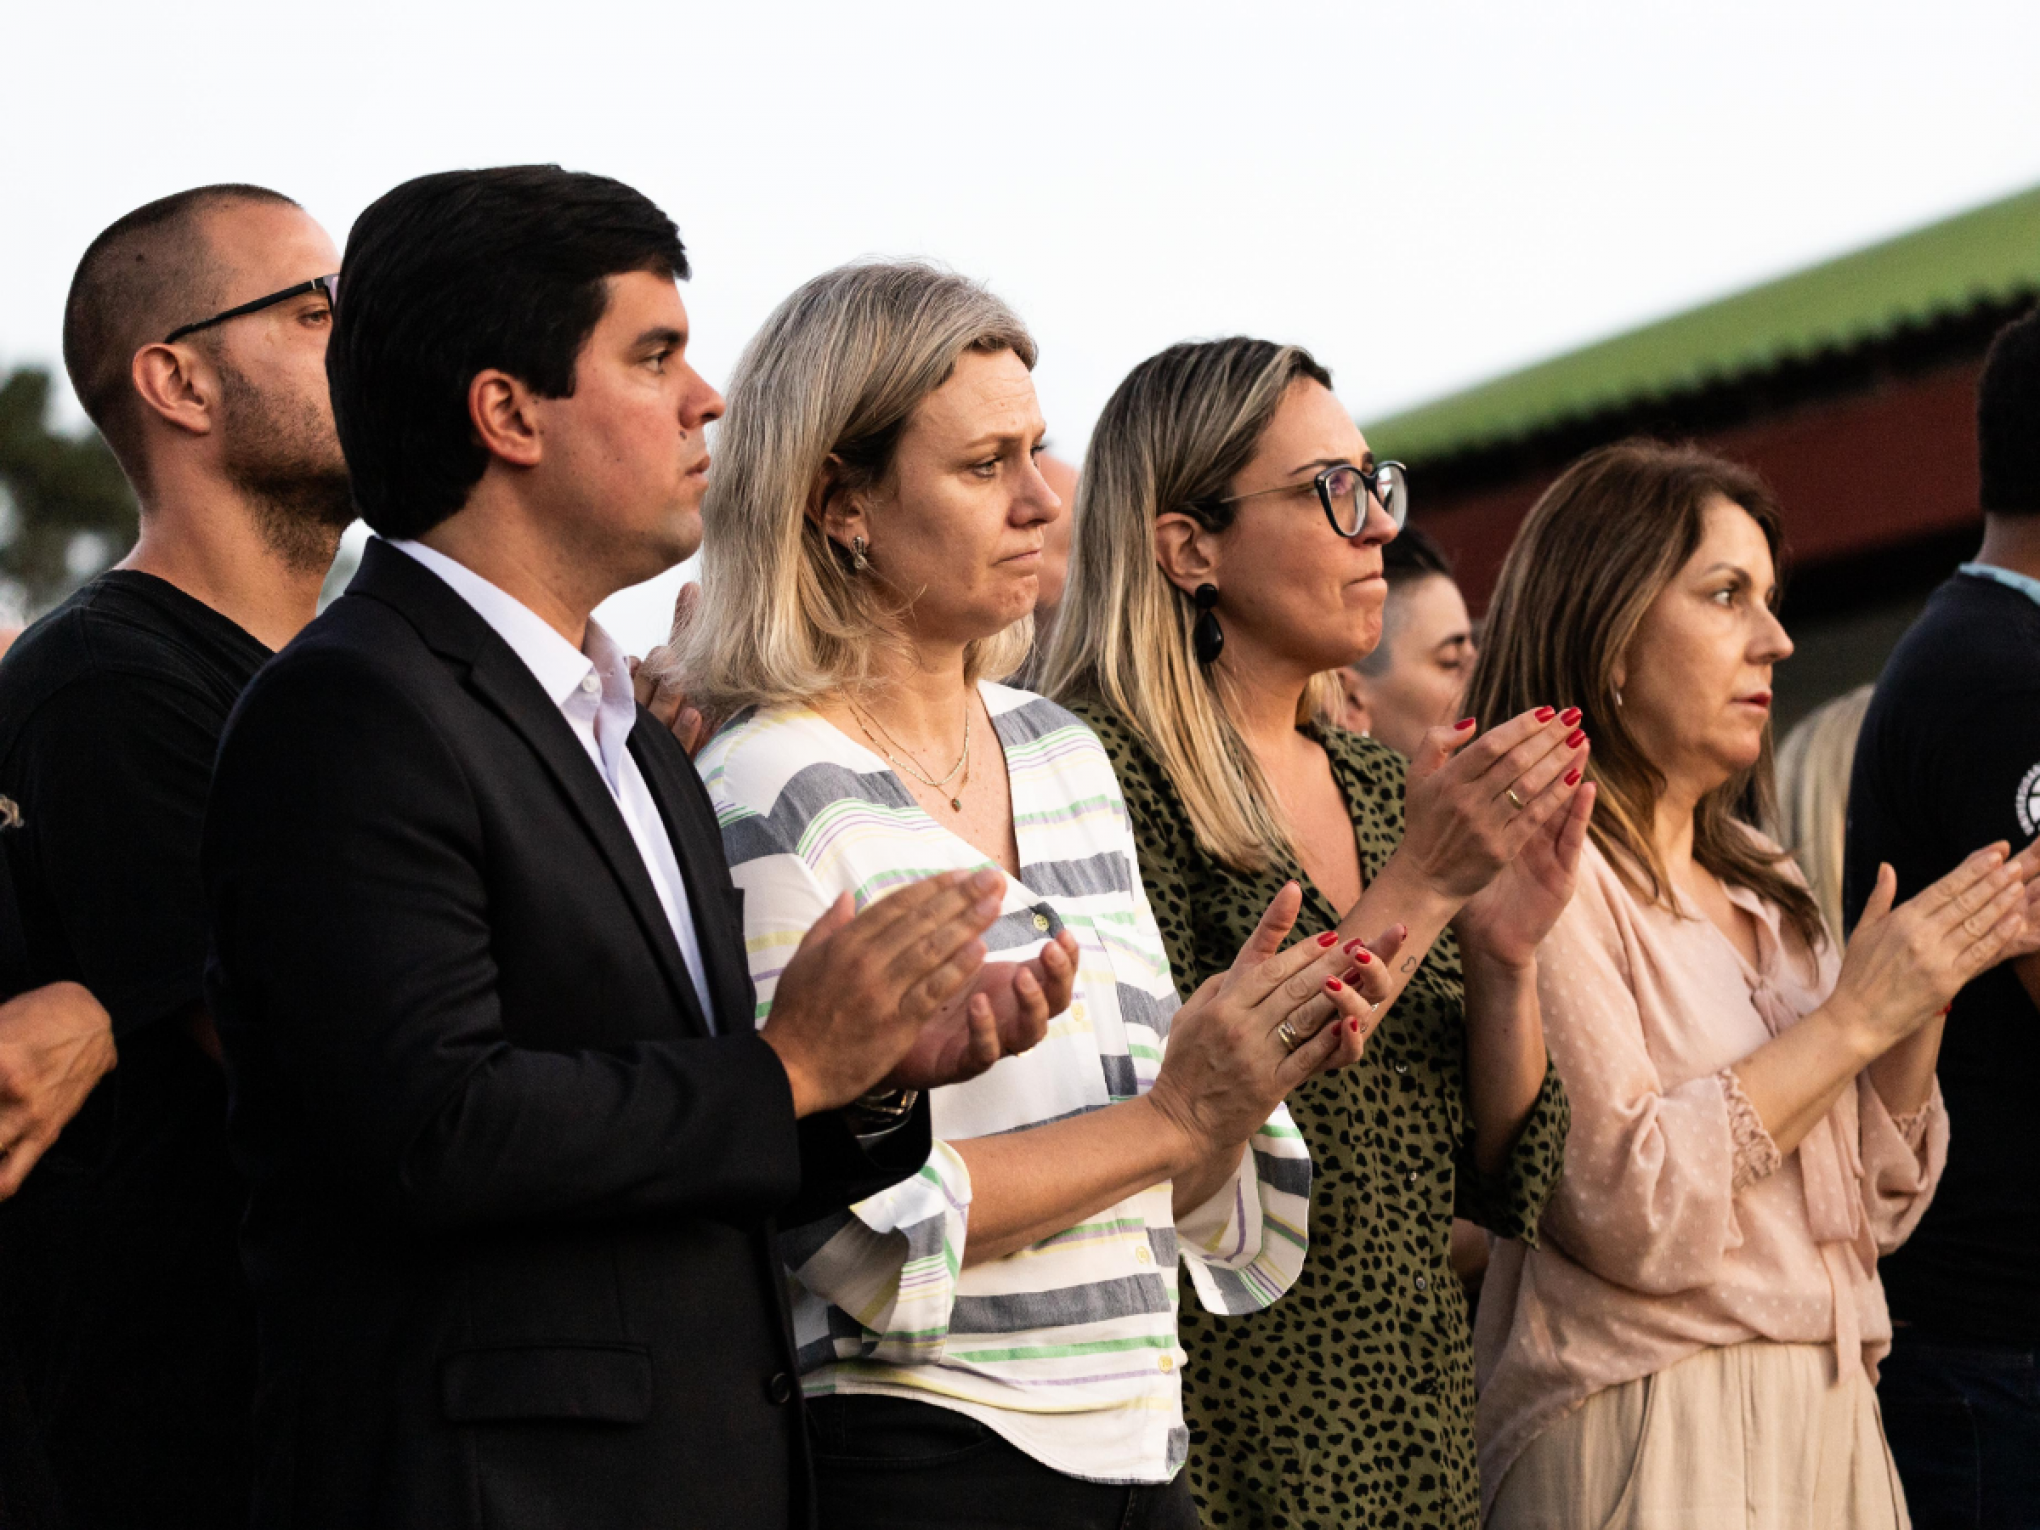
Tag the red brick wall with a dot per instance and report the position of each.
(1855, 475)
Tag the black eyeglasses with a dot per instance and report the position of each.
(328, 285)
(1344, 491)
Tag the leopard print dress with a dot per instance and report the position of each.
(1350, 1401)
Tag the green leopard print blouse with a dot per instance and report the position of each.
(1350, 1401)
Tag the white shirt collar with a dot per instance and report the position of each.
(590, 684)
(558, 665)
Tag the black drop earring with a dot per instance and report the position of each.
(1207, 636)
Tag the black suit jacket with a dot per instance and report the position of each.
(511, 1226)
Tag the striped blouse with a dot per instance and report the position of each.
(1067, 1348)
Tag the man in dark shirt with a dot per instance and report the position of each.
(195, 335)
(1948, 761)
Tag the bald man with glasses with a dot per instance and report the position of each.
(195, 336)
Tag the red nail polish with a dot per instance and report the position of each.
(1569, 716)
(1545, 714)
(1335, 985)
(1362, 956)
(1462, 725)
(1354, 945)
(1572, 777)
(1577, 737)
(1353, 1026)
(1330, 937)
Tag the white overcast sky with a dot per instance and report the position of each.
(1424, 193)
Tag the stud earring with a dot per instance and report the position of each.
(1207, 637)
(857, 559)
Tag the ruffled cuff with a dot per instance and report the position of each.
(1912, 1126)
(1245, 1246)
(1756, 1155)
(892, 1262)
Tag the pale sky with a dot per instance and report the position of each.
(1424, 193)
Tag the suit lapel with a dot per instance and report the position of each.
(494, 672)
(697, 845)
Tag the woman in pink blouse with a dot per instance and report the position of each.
(1692, 1340)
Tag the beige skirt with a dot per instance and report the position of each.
(1752, 1437)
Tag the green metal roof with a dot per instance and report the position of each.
(1991, 253)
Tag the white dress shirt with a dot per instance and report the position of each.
(591, 687)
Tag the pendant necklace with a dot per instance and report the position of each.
(868, 722)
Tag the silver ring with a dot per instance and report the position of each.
(1290, 1040)
(1511, 795)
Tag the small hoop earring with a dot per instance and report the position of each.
(857, 559)
(1207, 637)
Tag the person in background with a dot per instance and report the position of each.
(994, 1344)
(195, 336)
(1228, 562)
(1754, 1113)
(1415, 678)
(1061, 479)
(1814, 763)
(1949, 758)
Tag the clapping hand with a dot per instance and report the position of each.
(1509, 918)
(56, 1043)
(1235, 1050)
(1367, 972)
(2027, 941)
(1903, 964)
(1005, 1012)
(858, 993)
(1475, 800)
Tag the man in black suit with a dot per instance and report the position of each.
(478, 965)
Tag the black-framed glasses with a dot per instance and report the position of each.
(1344, 490)
(327, 285)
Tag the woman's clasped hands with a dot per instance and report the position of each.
(1903, 965)
(1496, 823)
(1254, 1032)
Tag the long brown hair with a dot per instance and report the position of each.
(1592, 556)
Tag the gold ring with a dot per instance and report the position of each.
(1511, 795)
(1290, 1040)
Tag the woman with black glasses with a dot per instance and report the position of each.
(1227, 564)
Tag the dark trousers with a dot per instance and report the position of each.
(1964, 1425)
(884, 1463)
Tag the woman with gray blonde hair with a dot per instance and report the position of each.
(994, 1342)
(1228, 563)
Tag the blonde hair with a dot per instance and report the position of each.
(1814, 763)
(1172, 437)
(835, 372)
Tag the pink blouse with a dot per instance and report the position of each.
(1678, 1225)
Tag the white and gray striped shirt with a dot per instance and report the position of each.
(1067, 1348)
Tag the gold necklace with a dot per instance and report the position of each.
(942, 786)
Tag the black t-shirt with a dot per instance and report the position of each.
(123, 1305)
(111, 710)
(1948, 761)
